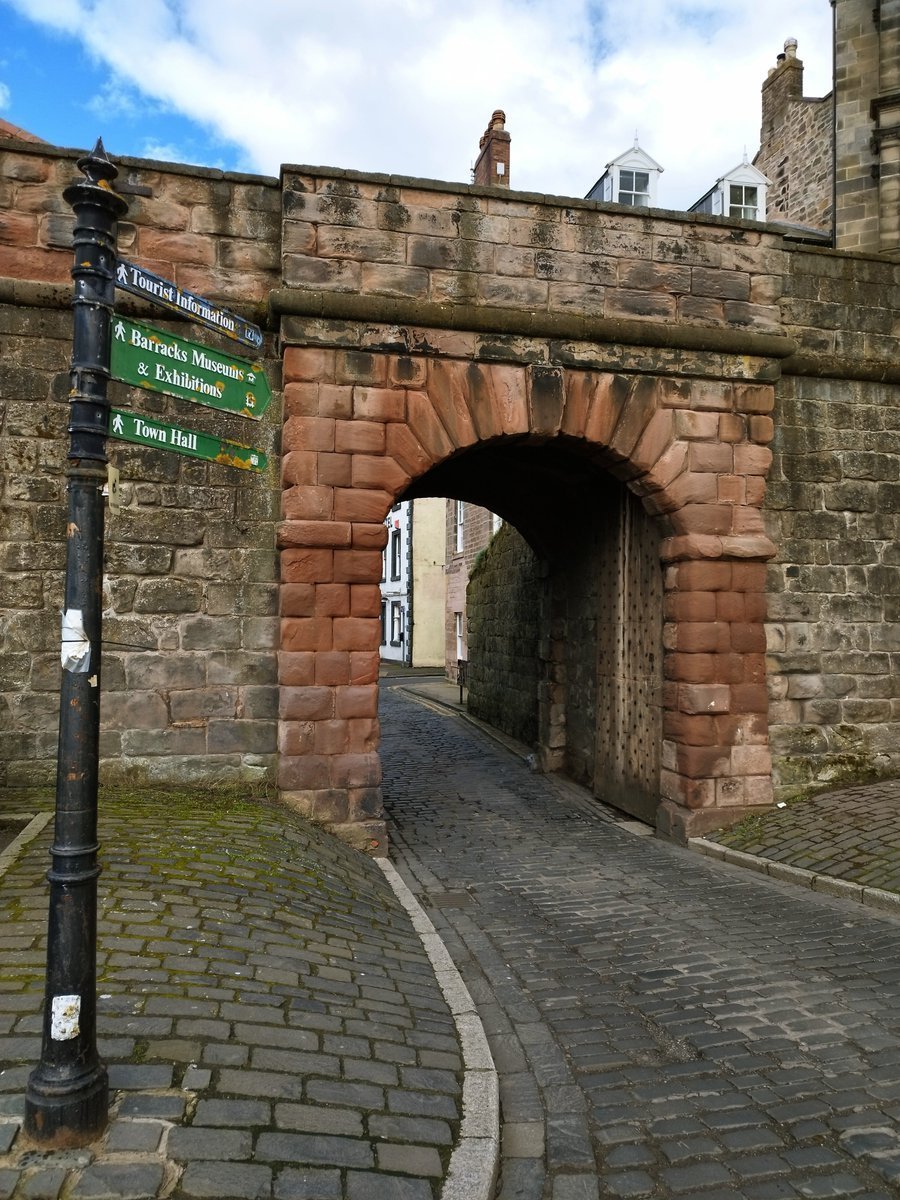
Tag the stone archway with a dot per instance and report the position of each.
(360, 427)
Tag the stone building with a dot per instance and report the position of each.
(691, 420)
(834, 162)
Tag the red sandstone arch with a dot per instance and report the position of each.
(359, 427)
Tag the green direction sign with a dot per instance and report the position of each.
(151, 358)
(147, 431)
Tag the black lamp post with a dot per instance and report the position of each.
(67, 1098)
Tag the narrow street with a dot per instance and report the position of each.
(663, 1025)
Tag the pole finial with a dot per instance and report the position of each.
(96, 165)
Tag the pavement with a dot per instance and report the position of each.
(533, 999)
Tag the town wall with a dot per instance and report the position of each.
(190, 590)
(423, 327)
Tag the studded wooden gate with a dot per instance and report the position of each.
(629, 666)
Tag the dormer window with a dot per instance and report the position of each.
(634, 188)
(629, 179)
(743, 201)
(739, 194)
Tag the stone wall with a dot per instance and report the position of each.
(190, 586)
(834, 588)
(504, 603)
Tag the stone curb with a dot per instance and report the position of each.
(472, 1173)
(830, 885)
(31, 830)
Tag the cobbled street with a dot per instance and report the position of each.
(663, 1025)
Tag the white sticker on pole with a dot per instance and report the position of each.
(64, 1014)
(75, 652)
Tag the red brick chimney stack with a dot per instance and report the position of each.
(492, 167)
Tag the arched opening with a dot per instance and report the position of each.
(565, 612)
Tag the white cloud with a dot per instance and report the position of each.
(408, 86)
(5, 96)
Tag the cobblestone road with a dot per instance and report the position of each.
(663, 1025)
(271, 1021)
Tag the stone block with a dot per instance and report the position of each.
(312, 363)
(359, 437)
(307, 565)
(402, 446)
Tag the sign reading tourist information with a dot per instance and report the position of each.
(147, 431)
(151, 358)
(139, 282)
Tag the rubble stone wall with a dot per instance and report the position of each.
(190, 585)
(504, 606)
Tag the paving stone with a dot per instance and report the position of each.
(43, 1184)
(628, 1183)
(166, 1108)
(308, 1184)
(134, 1135)
(410, 1129)
(347, 1093)
(187, 1144)
(226, 1181)
(118, 1181)
(313, 1149)
(310, 1118)
(409, 1160)
(8, 1180)
(139, 1078)
(386, 1187)
(575, 1187)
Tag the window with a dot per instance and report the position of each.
(395, 554)
(460, 646)
(743, 201)
(396, 623)
(634, 188)
(460, 523)
(383, 622)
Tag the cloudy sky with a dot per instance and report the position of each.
(408, 86)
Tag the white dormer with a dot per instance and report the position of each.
(740, 193)
(629, 179)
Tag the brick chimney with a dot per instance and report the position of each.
(492, 167)
(783, 86)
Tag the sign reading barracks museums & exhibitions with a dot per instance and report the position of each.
(152, 358)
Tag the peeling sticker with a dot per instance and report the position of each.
(75, 652)
(64, 1014)
(93, 681)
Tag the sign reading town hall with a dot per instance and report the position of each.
(149, 431)
(151, 358)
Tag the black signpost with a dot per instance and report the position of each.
(67, 1097)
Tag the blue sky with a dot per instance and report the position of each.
(408, 86)
(59, 91)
